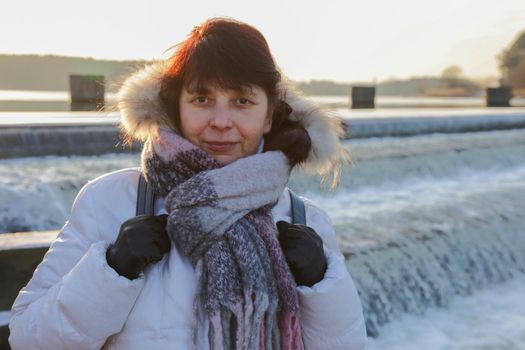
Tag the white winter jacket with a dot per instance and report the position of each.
(75, 300)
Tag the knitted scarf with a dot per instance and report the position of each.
(219, 217)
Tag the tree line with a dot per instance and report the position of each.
(51, 73)
(512, 63)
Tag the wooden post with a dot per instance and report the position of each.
(499, 96)
(87, 92)
(363, 96)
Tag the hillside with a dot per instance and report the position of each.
(51, 73)
(420, 86)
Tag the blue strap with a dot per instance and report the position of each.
(145, 197)
(298, 211)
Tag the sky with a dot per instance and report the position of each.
(340, 40)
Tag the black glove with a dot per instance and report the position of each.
(303, 249)
(142, 240)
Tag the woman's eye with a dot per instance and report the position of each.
(243, 101)
(200, 100)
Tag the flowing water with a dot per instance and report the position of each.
(432, 226)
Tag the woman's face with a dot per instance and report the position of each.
(228, 124)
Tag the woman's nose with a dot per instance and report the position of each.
(221, 118)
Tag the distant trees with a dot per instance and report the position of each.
(512, 63)
(452, 72)
(453, 83)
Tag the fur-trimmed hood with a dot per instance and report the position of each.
(142, 112)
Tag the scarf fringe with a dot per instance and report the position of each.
(291, 337)
(262, 336)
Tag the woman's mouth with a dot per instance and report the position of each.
(220, 147)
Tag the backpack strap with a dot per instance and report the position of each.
(298, 211)
(145, 197)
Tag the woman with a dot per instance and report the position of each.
(210, 270)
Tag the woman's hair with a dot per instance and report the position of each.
(233, 55)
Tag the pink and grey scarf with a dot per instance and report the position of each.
(219, 216)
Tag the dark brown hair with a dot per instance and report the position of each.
(232, 55)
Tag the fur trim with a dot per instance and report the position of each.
(325, 129)
(139, 103)
(142, 113)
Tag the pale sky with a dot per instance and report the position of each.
(352, 40)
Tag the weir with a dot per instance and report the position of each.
(424, 219)
(410, 126)
(420, 219)
(413, 274)
(24, 134)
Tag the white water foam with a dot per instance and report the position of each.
(36, 192)
(493, 318)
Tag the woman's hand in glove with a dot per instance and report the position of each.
(142, 240)
(303, 249)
